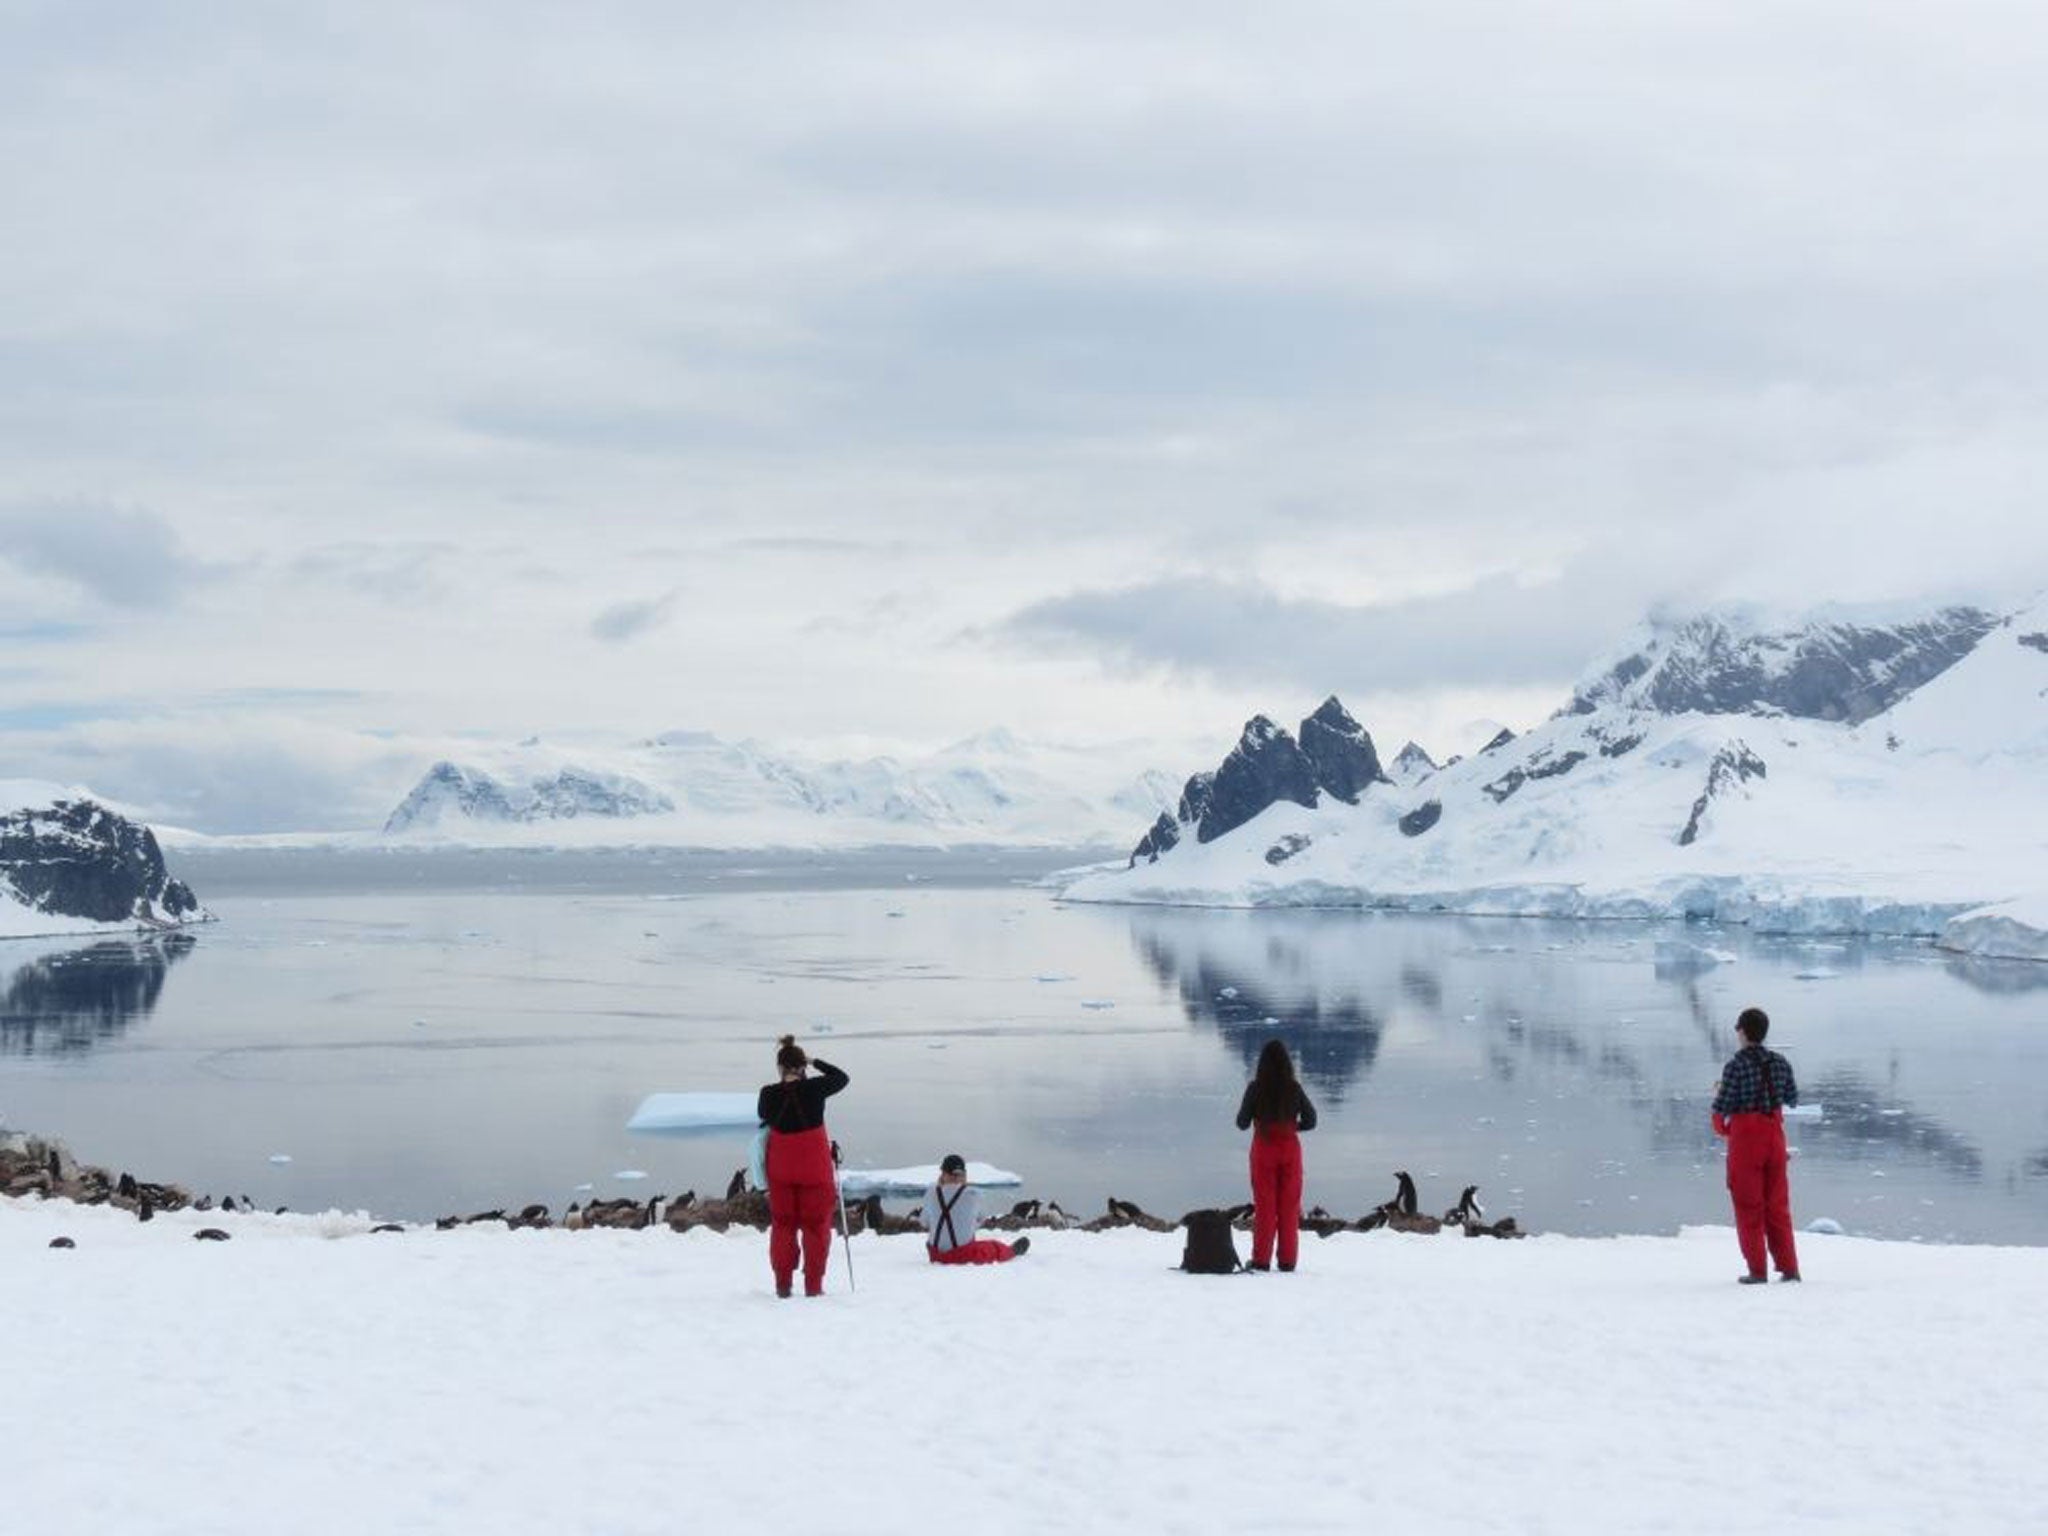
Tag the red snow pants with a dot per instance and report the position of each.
(1763, 1197)
(1276, 1194)
(983, 1250)
(801, 1199)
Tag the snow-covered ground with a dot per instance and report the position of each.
(309, 1377)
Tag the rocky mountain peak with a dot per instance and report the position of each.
(1340, 752)
(1834, 667)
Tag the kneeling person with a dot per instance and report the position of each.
(952, 1209)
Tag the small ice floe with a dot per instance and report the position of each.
(1097, 1003)
(1815, 973)
(1469, 1018)
(1877, 1173)
(893, 912)
(1051, 976)
(695, 1112)
(1681, 956)
(1826, 1226)
(629, 1175)
(1269, 1021)
(583, 1189)
(1804, 1112)
(821, 1029)
(1227, 993)
(419, 1023)
(279, 1159)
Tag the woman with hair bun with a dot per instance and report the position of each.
(1275, 1104)
(801, 1188)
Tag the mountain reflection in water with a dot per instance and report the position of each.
(74, 999)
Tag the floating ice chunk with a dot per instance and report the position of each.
(1097, 1003)
(1469, 1018)
(859, 1183)
(279, 1159)
(1681, 955)
(583, 1189)
(1269, 1021)
(1803, 1112)
(1052, 976)
(1227, 992)
(1815, 973)
(893, 912)
(694, 1112)
(1826, 1226)
(630, 1174)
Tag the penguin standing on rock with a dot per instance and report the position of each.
(1468, 1209)
(1403, 1203)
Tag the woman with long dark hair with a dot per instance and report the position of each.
(1275, 1110)
(801, 1188)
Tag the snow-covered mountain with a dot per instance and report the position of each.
(72, 865)
(697, 788)
(1851, 773)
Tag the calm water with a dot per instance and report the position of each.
(432, 1035)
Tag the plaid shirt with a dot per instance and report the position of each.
(1744, 1090)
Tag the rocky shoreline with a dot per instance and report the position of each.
(39, 1168)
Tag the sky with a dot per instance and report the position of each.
(377, 380)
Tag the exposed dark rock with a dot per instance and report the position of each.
(1287, 847)
(1500, 739)
(1165, 834)
(1266, 766)
(78, 859)
(1340, 752)
(1734, 764)
(2037, 640)
(1621, 745)
(1422, 818)
(1542, 766)
(210, 1235)
(1838, 671)
(1195, 796)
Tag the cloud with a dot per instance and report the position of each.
(124, 557)
(627, 621)
(1497, 633)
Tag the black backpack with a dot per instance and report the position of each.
(1211, 1249)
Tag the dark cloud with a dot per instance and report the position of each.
(124, 557)
(626, 621)
(1497, 633)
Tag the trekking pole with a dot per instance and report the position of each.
(839, 1199)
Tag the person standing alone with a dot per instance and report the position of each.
(1275, 1110)
(1749, 1110)
(801, 1188)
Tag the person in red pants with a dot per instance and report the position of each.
(1756, 1087)
(802, 1191)
(952, 1210)
(1275, 1110)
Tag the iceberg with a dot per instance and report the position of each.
(695, 1112)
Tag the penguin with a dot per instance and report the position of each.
(1403, 1203)
(1468, 1208)
(210, 1235)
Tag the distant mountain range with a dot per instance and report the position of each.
(694, 787)
(73, 865)
(1849, 771)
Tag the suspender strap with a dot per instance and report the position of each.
(945, 1221)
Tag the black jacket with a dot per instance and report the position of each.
(1303, 1117)
(800, 1106)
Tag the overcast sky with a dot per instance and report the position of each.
(377, 376)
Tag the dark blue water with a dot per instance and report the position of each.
(425, 1035)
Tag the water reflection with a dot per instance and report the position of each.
(1999, 977)
(1863, 1123)
(1334, 1035)
(73, 999)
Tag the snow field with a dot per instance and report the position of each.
(618, 1382)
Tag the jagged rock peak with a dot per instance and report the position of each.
(1412, 764)
(1832, 667)
(1500, 739)
(1266, 765)
(1340, 751)
(76, 858)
